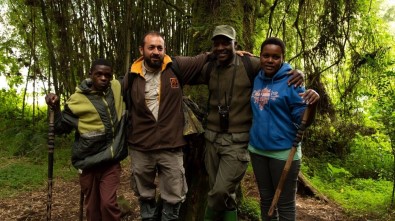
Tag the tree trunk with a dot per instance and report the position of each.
(194, 206)
(48, 37)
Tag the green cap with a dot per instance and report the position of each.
(225, 30)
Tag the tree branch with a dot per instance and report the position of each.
(180, 10)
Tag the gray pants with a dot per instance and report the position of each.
(226, 161)
(168, 164)
(267, 173)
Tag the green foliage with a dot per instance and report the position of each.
(250, 208)
(333, 136)
(336, 173)
(373, 156)
(9, 104)
(199, 94)
(365, 197)
(12, 56)
(383, 109)
(23, 155)
(22, 138)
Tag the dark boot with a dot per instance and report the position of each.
(148, 210)
(230, 215)
(212, 215)
(170, 212)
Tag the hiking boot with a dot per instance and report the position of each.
(170, 212)
(148, 210)
(212, 215)
(230, 215)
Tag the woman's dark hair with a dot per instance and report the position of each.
(274, 41)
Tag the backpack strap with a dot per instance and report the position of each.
(248, 68)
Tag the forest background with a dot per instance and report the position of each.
(344, 47)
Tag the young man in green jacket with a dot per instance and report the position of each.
(96, 112)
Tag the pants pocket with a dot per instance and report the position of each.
(243, 156)
(240, 137)
(133, 183)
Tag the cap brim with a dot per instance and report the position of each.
(231, 38)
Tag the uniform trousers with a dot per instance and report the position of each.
(226, 161)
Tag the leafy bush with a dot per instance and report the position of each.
(373, 156)
(333, 136)
(9, 101)
(365, 197)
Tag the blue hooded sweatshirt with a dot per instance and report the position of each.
(277, 111)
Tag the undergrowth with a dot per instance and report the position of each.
(359, 197)
(24, 157)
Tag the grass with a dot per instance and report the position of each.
(23, 158)
(367, 198)
(249, 207)
(21, 174)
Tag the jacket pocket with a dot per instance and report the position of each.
(88, 146)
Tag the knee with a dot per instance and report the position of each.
(107, 205)
(287, 205)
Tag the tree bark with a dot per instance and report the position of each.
(194, 206)
(52, 59)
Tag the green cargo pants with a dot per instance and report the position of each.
(226, 161)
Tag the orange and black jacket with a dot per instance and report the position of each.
(144, 131)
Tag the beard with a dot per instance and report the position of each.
(153, 64)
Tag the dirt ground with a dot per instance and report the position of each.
(65, 207)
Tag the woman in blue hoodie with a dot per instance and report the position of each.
(277, 111)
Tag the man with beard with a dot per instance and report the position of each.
(156, 122)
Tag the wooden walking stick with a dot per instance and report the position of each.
(51, 137)
(288, 163)
(81, 206)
